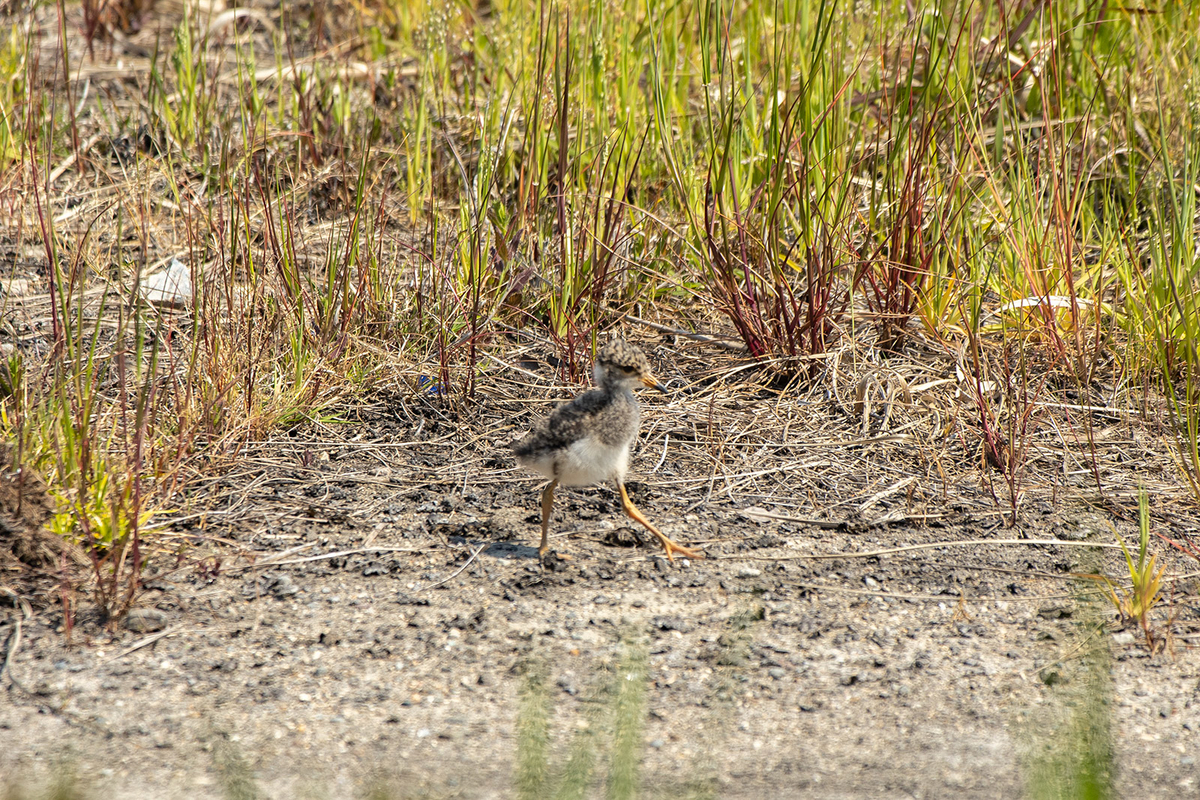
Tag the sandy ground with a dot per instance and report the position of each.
(371, 616)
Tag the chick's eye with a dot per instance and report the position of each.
(627, 369)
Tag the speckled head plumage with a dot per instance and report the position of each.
(619, 364)
(608, 415)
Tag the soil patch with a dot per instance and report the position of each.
(377, 594)
(31, 557)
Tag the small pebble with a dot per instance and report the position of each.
(284, 587)
(15, 287)
(749, 572)
(1055, 612)
(567, 684)
(145, 620)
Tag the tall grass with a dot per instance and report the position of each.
(610, 730)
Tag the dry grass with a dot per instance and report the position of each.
(368, 227)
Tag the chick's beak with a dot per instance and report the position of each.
(649, 381)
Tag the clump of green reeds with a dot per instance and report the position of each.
(618, 707)
(1072, 754)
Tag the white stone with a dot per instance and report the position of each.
(170, 287)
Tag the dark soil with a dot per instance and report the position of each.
(32, 559)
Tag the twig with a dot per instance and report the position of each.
(666, 442)
(757, 514)
(821, 587)
(70, 160)
(891, 490)
(138, 645)
(1029, 573)
(14, 643)
(911, 547)
(325, 556)
(719, 341)
(457, 572)
(514, 368)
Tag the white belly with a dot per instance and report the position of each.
(585, 462)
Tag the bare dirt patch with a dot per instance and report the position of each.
(377, 592)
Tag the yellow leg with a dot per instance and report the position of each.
(667, 544)
(547, 507)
